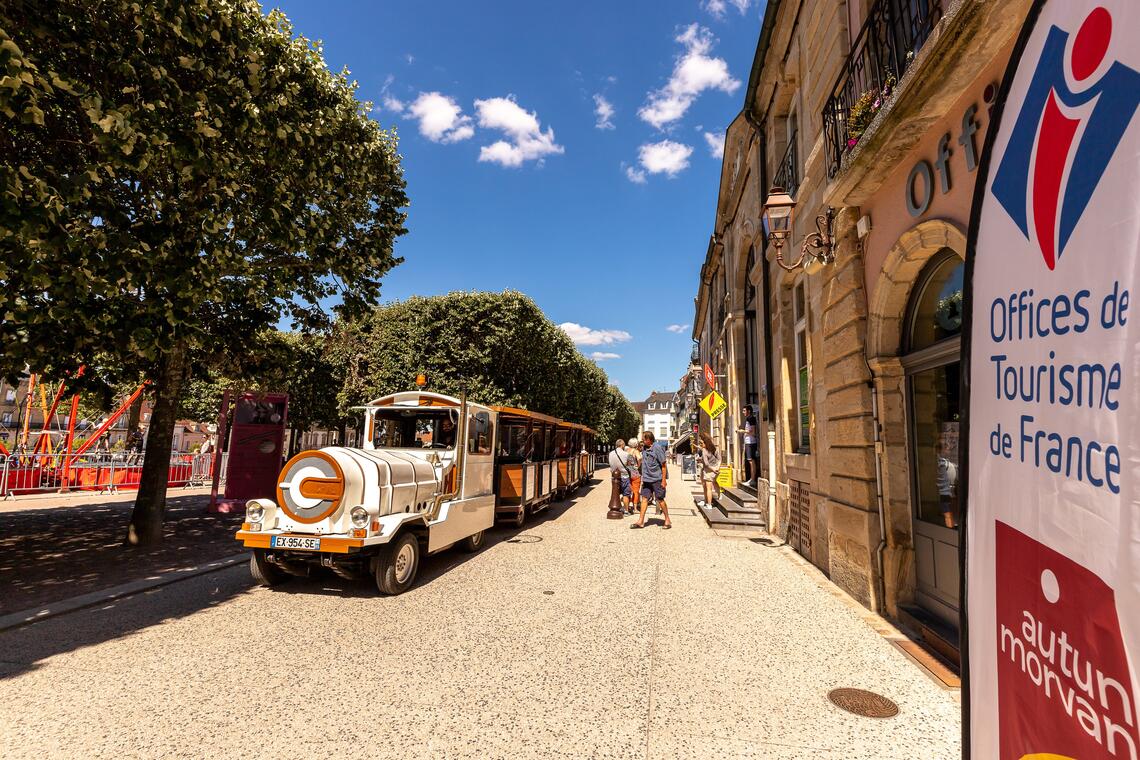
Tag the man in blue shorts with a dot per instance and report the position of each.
(653, 477)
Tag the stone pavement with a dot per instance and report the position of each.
(574, 637)
(55, 547)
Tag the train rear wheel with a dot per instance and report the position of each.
(264, 572)
(474, 543)
(398, 564)
(520, 518)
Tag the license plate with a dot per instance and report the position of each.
(296, 542)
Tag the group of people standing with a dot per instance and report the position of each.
(640, 466)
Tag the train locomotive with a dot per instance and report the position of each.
(433, 472)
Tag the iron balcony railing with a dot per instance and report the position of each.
(788, 171)
(894, 32)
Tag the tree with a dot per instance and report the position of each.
(498, 348)
(176, 178)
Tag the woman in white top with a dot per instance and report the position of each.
(710, 468)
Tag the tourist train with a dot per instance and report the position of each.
(433, 472)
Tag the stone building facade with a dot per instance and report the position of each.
(872, 116)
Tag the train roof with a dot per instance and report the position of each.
(516, 412)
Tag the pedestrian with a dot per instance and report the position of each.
(751, 450)
(134, 446)
(653, 479)
(635, 475)
(620, 470)
(710, 468)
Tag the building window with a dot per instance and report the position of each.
(803, 375)
(9, 395)
(6, 419)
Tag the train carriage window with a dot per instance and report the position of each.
(562, 443)
(513, 441)
(480, 433)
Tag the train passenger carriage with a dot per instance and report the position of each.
(432, 473)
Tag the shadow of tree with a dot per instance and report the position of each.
(24, 649)
(59, 552)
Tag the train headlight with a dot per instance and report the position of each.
(254, 512)
(359, 517)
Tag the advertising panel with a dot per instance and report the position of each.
(1052, 558)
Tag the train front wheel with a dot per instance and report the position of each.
(264, 572)
(397, 565)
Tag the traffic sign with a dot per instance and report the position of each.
(710, 377)
(714, 405)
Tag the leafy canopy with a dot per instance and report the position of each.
(498, 348)
(179, 175)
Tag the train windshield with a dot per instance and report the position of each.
(414, 429)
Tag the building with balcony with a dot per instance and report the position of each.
(871, 116)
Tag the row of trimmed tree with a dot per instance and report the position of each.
(177, 180)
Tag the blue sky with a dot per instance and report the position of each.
(558, 149)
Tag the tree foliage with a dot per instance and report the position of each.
(177, 177)
(498, 348)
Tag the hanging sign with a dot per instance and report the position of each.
(1052, 556)
(714, 404)
(710, 377)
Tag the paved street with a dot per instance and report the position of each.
(575, 637)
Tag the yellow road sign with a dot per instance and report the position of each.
(714, 405)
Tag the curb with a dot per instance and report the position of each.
(75, 603)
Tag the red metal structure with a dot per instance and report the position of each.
(256, 441)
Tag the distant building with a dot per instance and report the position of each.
(658, 414)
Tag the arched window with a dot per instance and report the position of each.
(932, 361)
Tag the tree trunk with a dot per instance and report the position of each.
(146, 519)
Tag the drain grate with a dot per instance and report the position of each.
(867, 704)
(763, 541)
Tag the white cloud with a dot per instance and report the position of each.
(719, 7)
(441, 118)
(601, 356)
(693, 73)
(585, 336)
(409, 58)
(604, 110)
(665, 157)
(526, 141)
(716, 144)
(635, 175)
(677, 328)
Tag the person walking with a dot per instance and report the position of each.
(653, 479)
(619, 462)
(751, 450)
(634, 452)
(710, 468)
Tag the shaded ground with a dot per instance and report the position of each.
(55, 552)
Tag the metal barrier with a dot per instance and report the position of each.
(23, 474)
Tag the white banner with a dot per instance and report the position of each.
(1053, 526)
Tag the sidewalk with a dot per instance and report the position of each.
(63, 546)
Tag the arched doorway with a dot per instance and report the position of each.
(931, 362)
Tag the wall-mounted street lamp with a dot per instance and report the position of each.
(818, 247)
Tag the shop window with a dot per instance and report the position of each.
(803, 374)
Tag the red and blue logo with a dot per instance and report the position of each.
(1066, 133)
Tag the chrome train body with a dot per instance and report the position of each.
(434, 472)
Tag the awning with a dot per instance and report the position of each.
(681, 440)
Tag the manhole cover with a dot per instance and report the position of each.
(548, 593)
(865, 703)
